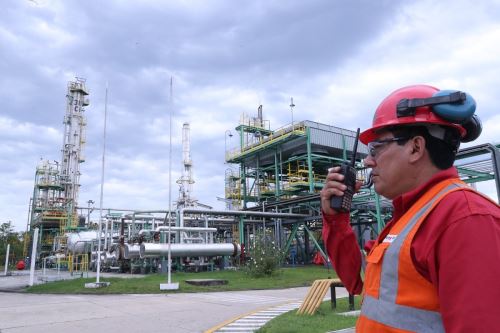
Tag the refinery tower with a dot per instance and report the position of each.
(55, 194)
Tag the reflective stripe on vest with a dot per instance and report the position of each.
(401, 317)
(385, 310)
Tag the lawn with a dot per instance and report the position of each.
(150, 284)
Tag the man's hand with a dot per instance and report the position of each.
(333, 186)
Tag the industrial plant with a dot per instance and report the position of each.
(272, 183)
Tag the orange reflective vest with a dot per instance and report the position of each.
(396, 298)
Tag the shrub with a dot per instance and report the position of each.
(265, 257)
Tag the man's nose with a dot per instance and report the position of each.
(369, 161)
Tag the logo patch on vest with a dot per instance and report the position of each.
(389, 238)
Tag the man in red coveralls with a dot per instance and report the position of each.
(435, 267)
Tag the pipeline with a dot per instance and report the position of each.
(196, 229)
(131, 251)
(166, 229)
(150, 250)
(238, 213)
(234, 213)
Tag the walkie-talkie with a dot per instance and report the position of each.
(343, 203)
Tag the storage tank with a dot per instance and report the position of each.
(80, 242)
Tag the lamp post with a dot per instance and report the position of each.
(227, 133)
(291, 109)
(98, 283)
(169, 285)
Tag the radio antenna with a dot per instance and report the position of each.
(355, 149)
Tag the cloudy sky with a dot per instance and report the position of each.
(337, 59)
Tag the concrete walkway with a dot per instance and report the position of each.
(181, 312)
(177, 313)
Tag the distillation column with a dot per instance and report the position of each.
(186, 181)
(73, 143)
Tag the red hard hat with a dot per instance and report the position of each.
(385, 115)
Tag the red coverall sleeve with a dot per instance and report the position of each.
(465, 267)
(343, 249)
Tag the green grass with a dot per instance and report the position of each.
(324, 320)
(150, 284)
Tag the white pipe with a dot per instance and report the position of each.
(33, 257)
(186, 229)
(138, 216)
(214, 219)
(235, 213)
(131, 251)
(239, 213)
(151, 250)
(164, 228)
(109, 257)
(210, 219)
(195, 238)
(111, 233)
(206, 226)
(7, 259)
(106, 235)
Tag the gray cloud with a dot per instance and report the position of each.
(338, 59)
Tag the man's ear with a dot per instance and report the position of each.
(417, 148)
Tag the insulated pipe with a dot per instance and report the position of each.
(109, 257)
(210, 219)
(234, 213)
(199, 229)
(195, 239)
(165, 228)
(131, 251)
(106, 235)
(111, 235)
(206, 226)
(150, 250)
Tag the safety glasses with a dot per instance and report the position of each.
(374, 147)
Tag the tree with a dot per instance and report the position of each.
(6, 230)
(9, 236)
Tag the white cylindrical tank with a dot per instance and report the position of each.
(77, 241)
(150, 250)
(131, 251)
(109, 257)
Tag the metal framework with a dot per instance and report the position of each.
(283, 171)
(480, 163)
(53, 207)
